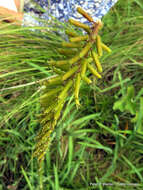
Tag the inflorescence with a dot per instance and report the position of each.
(82, 54)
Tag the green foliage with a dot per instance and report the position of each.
(134, 105)
(126, 102)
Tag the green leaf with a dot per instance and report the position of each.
(119, 105)
(126, 103)
(139, 124)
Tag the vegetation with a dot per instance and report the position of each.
(99, 145)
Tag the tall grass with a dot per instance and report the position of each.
(96, 147)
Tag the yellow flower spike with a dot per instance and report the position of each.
(51, 92)
(61, 101)
(46, 133)
(71, 33)
(59, 107)
(71, 45)
(70, 73)
(93, 36)
(96, 27)
(99, 47)
(97, 62)
(62, 64)
(41, 157)
(58, 112)
(65, 89)
(58, 71)
(67, 52)
(44, 141)
(79, 38)
(53, 81)
(85, 50)
(83, 68)
(74, 59)
(80, 25)
(106, 48)
(49, 109)
(46, 119)
(82, 53)
(77, 103)
(93, 71)
(63, 67)
(39, 145)
(86, 79)
(100, 24)
(58, 63)
(76, 90)
(89, 60)
(84, 65)
(85, 14)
